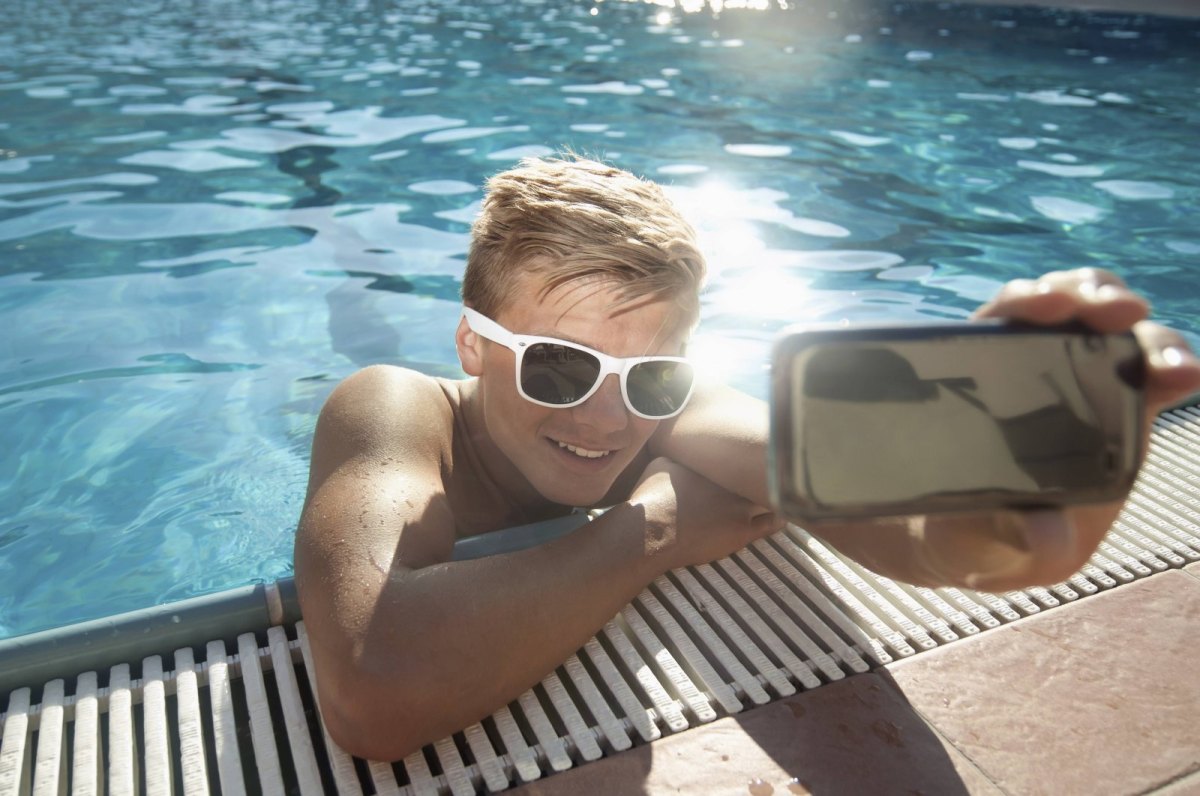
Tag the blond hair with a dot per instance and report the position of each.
(572, 220)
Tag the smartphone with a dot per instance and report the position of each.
(951, 417)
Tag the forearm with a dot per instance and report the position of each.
(448, 644)
(723, 437)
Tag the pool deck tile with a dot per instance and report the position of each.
(1101, 695)
(1096, 696)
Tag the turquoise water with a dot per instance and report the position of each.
(212, 212)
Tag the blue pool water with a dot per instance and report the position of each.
(212, 212)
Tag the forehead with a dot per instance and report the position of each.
(598, 315)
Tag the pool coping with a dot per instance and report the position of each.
(1164, 8)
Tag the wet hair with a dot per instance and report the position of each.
(576, 222)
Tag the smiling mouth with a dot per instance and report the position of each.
(583, 452)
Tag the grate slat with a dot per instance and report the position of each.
(763, 635)
(838, 569)
(383, 777)
(87, 763)
(666, 707)
(122, 777)
(551, 744)
(577, 729)
(490, 767)
(262, 736)
(14, 745)
(802, 614)
(709, 638)
(869, 623)
(229, 759)
(522, 756)
(759, 664)
(156, 733)
(419, 775)
(904, 600)
(455, 770)
(308, 774)
(722, 693)
(191, 730)
(771, 611)
(612, 729)
(667, 664)
(621, 691)
(49, 773)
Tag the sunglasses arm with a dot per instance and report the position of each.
(485, 327)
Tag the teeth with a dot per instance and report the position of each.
(584, 452)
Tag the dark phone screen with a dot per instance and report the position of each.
(962, 422)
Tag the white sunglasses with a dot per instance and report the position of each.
(561, 374)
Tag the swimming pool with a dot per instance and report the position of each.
(212, 212)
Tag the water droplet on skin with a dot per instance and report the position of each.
(760, 787)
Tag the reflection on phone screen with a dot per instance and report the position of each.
(907, 420)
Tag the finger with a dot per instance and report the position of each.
(1027, 300)
(1070, 280)
(1172, 369)
(1104, 305)
(1109, 308)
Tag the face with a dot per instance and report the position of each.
(572, 456)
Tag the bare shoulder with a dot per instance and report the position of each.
(382, 411)
(376, 497)
(370, 398)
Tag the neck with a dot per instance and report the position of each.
(501, 482)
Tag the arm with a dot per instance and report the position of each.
(996, 552)
(722, 435)
(408, 646)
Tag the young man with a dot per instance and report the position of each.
(410, 646)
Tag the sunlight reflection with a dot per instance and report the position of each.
(713, 6)
(720, 359)
(767, 292)
(718, 213)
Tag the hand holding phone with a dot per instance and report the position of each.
(952, 417)
(1000, 549)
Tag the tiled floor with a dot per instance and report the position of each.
(1097, 697)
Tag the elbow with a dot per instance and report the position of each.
(376, 713)
(368, 725)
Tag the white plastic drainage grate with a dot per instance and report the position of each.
(785, 614)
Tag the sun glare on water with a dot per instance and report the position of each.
(715, 6)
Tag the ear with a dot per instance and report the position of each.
(470, 348)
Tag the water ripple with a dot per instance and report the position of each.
(280, 195)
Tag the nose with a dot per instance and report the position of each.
(605, 411)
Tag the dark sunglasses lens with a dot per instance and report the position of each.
(557, 374)
(659, 388)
